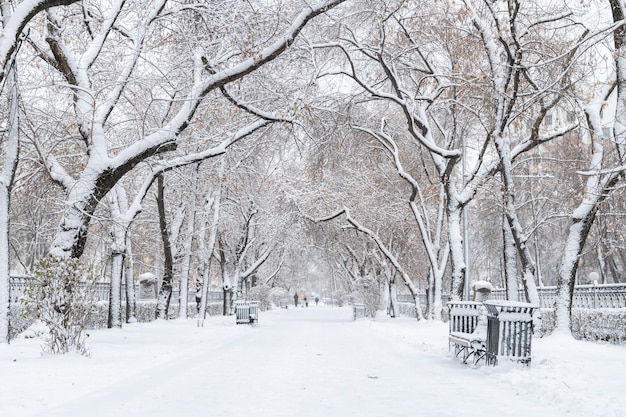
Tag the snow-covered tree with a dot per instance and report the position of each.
(604, 173)
(14, 19)
(99, 94)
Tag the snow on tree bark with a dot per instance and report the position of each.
(186, 259)
(9, 167)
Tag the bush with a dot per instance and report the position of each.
(367, 291)
(261, 293)
(63, 298)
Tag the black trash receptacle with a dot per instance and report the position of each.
(509, 331)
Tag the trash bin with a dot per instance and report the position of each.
(509, 331)
(254, 312)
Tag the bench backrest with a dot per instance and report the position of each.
(463, 315)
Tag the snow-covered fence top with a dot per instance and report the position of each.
(20, 284)
(585, 296)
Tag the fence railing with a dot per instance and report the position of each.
(408, 298)
(19, 286)
(585, 296)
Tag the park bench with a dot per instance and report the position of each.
(358, 311)
(509, 331)
(467, 330)
(284, 303)
(247, 312)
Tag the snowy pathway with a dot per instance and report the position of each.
(296, 362)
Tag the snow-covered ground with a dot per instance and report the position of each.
(304, 362)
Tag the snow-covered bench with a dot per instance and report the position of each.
(358, 311)
(247, 312)
(468, 330)
(284, 303)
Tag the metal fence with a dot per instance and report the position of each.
(585, 296)
(408, 298)
(19, 286)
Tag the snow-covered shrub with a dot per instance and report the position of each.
(63, 298)
(20, 319)
(261, 293)
(599, 324)
(277, 294)
(367, 291)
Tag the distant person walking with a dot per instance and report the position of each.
(306, 301)
(317, 300)
(295, 299)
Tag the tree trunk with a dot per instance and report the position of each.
(115, 291)
(510, 262)
(11, 156)
(393, 295)
(214, 205)
(118, 249)
(165, 291)
(574, 245)
(129, 274)
(186, 261)
(457, 259)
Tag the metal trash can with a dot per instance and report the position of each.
(509, 331)
(254, 312)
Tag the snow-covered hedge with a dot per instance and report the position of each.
(608, 324)
(587, 324)
(21, 319)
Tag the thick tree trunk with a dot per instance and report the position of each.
(4, 263)
(457, 259)
(11, 156)
(574, 245)
(510, 262)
